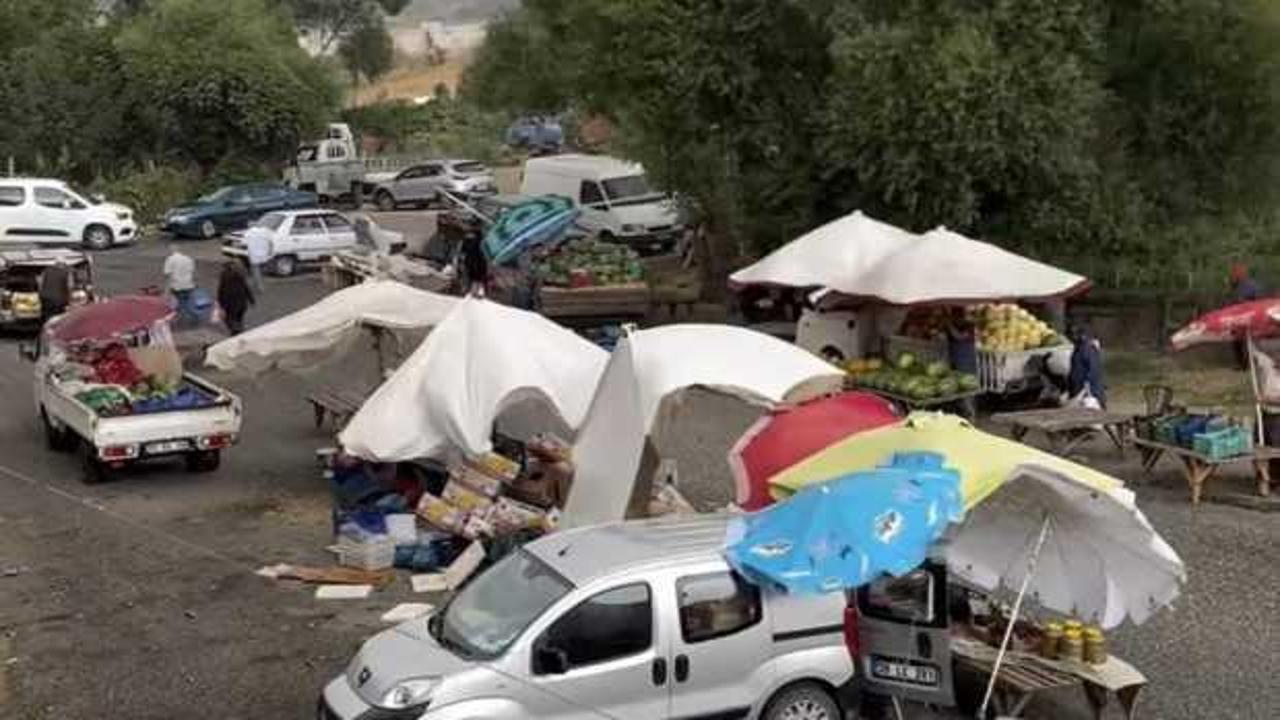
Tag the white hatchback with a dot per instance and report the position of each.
(51, 212)
(303, 236)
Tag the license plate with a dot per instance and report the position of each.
(904, 672)
(171, 446)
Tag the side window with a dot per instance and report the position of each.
(909, 598)
(713, 606)
(307, 225)
(431, 170)
(336, 151)
(590, 193)
(611, 625)
(11, 196)
(337, 223)
(55, 198)
(240, 197)
(411, 173)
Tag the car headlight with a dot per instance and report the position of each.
(179, 218)
(632, 229)
(409, 693)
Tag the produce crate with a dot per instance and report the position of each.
(1010, 371)
(926, 351)
(371, 555)
(1221, 444)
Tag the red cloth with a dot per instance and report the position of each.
(115, 368)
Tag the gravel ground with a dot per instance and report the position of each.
(136, 599)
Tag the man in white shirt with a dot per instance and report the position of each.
(180, 279)
(257, 242)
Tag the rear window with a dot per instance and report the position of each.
(716, 605)
(470, 167)
(270, 221)
(11, 196)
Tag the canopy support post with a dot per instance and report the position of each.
(1257, 398)
(1013, 617)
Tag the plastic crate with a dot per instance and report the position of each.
(1221, 444)
(1165, 430)
(1011, 371)
(370, 555)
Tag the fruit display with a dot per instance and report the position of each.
(1009, 328)
(926, 323)
(588, 262)
(907, 376)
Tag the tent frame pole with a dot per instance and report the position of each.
(1013, 616)
(1257, 397)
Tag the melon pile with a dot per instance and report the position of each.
(1009, 328)
(910, 378)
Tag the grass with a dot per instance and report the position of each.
(1201, 379)
(413, 81)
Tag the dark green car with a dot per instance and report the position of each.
(233, 207)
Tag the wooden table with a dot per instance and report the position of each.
(1025, 675)
(1066, 428)
(1199, 468)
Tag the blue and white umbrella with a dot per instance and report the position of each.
(527, 225)
(846, 532)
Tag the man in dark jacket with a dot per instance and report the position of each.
(55, 290)
(1243, 289)
(1086, 366)
(234, 296)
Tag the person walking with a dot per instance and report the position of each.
(234, 296)
(54, 290)
(180, 280)
(1243, 289)
(257, 243)
(474, 263)
(1086, 380)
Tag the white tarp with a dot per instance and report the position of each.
(1101, 561)
(861, 257)
(648, 366)
(482, 360)
(829, 256)
(303, 338)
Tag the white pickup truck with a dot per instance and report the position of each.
(109, 443)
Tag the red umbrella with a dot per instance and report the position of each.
(1256, 318)
(789, 435)
(109, 319)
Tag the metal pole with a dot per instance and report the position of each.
(1257, 399)
(1013, 619)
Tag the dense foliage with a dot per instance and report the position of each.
(1135, 139)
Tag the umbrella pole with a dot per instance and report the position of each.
(1013, 617)
(1257, 398)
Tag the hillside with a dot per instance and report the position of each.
(452, 10)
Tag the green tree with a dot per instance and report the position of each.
(253, 97)
(333, 21)
(368, 52)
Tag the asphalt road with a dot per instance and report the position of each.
(136, 599)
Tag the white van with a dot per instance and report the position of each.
(51, 212)
(615, 197)
(642, 620)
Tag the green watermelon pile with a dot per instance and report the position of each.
(602, 263)
(909, 377)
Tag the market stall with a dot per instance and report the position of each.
(1066, 428)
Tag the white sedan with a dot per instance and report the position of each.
(308, 236)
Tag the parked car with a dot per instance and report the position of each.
(20, 272)
(51, 212)
(421, 184)
(633, 621)
(306, 236)
(615, 197)
(233, 207)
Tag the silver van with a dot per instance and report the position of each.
(633, 621)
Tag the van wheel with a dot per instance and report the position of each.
(607, 237)
(94, 470)
(802, 701)
(204, 461)
(57, 439)
(384, 201)
(97, 237)
(284, 265)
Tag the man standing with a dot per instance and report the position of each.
(234, 296)
(1086, 379)
(180, 279)
(1243, 289)
(257, 242)
(55, 290)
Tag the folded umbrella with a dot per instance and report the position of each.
(110, 319)
(1256, 318)
(788, 435)
(844, 533)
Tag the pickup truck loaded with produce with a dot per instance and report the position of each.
(118, 395)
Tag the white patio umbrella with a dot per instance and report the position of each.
(833, 255)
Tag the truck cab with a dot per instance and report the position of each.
(330, 167)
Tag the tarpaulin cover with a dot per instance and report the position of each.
(833, 255)
(483, 359)
(109, 319)
(302, 338)
(648, 366)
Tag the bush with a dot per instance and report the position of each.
(150, 191)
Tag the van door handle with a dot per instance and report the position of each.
(660, 672)
(682, 668)
(924, 645)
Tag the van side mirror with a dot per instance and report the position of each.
(29, 351)
(550, 661)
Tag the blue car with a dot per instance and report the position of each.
(232, 208)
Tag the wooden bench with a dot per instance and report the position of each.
(1199, 468)
(335, 404)
(1066, 428)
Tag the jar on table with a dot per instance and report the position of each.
(1071, 648)
(1050, 641)
(1095, 646)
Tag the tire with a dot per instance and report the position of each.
(97, 237)
(832, 354)
(608, 237)
(204, 461)
(208, 230)
(94, 471)
(384, 201)
(802, 701)
(284, 265)
(57, 440)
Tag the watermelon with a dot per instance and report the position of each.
(936, 369)
(967, 383)
(905, 361)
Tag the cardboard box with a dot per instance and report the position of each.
(441, 514)
(502, 468)
(477, 480)
(510, 515)
(464, 497)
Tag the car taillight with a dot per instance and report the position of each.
(214, 442)
(118, 452)
(852, 639)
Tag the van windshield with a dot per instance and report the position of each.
(491, 612)
(633, 188)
